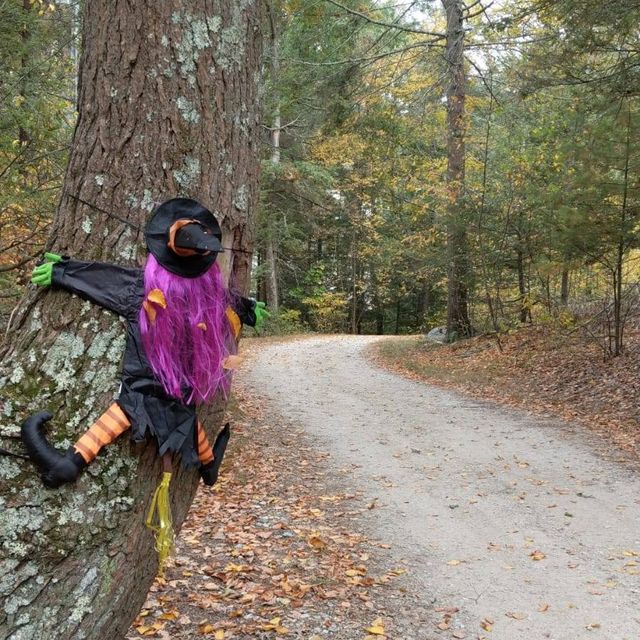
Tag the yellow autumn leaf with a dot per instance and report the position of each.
(376, 628)
(169, 615)
(235, 568)
(219, 634)
(157, 297)
(143, 629)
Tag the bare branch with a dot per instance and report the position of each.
(17, 265)
(382, 23)
(479, 12)
(484, 80)
(281, 127)
(378, 56)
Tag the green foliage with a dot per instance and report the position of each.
(327, 312)
(37, 81)
(352, 221)
(284, 322)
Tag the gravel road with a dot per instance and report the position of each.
(524, 525)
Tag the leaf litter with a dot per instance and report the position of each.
(267, 553)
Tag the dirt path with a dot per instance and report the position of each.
(520, 523)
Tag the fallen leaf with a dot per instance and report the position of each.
(487, 624)
(376, 628)
(317, 542)
(169, 615)
(516, 615)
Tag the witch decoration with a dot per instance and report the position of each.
(182, 332)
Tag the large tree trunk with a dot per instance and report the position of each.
(271, 252)
(167, 106)
(457, 251)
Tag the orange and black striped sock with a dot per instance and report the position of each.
(112, 423)
(205, 453)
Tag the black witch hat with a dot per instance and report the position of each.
(184, 237)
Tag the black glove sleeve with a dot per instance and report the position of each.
(245, 308)
(108, 285)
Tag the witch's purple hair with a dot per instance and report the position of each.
(185, 357)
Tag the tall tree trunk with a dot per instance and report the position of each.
(621, 250)
(261, 285)
(25, 72)
(167, 106)
(271, 251)
(379, 320)
(564, 287)
(457, 251)
(524, 312)
(271, 276)
(353, 324)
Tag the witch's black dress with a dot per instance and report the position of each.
(142, 397)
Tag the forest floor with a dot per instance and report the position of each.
(275, 550)
(360, 504)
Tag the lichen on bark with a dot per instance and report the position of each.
(66, 555)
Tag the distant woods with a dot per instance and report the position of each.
(423, 164)
(453, 164)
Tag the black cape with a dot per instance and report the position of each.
(143, 399)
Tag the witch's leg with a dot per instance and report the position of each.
(211, 459)
(58, 468)
(111, 424)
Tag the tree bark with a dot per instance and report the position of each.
(271, 250)
(25, 36)
(458, 323)
(271, 276)
(167, 107)
(564, 287)
(525, 310)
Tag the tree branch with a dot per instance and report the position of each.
(378, 56)
(382, 23)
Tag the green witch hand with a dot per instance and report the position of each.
(42, 274)
(261, 314)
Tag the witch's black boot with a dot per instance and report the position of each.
(57, 468)
(209, 471)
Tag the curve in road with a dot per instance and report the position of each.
(519, 522)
